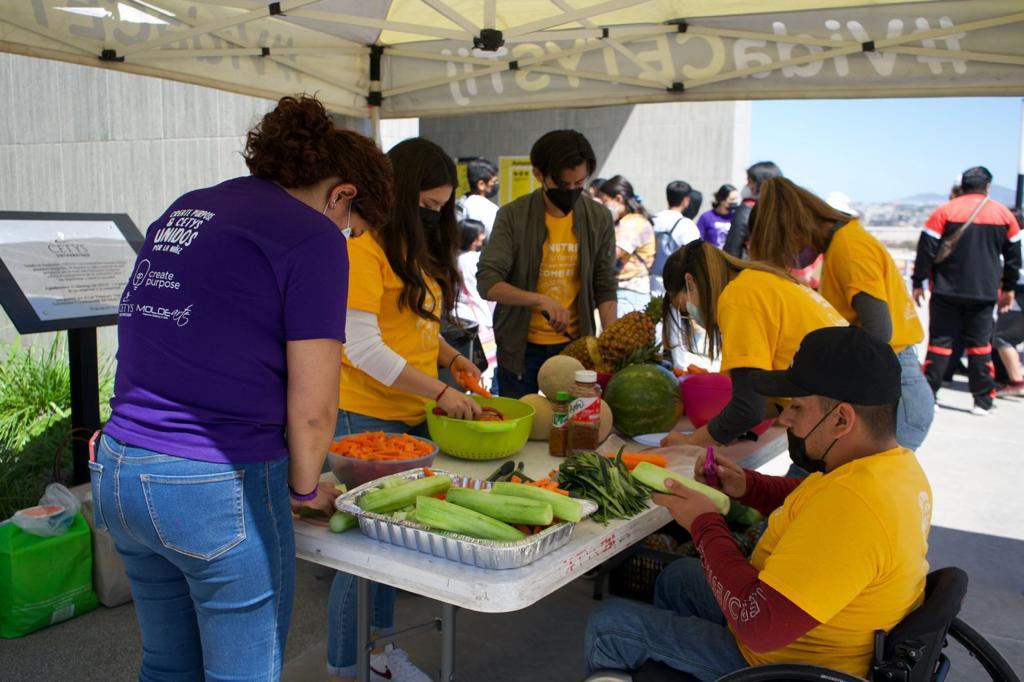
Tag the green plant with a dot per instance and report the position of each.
(35, 419)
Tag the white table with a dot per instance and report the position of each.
(497, 591)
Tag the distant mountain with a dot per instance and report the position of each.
(1004, 195)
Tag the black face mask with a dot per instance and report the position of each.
(798, 448)
(563, 199)
(492, 191)
(431, 220)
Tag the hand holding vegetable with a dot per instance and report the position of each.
(462, 366)
(458, 405)
(732, 480)
(684, 504)
(320, 508)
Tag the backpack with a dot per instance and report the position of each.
(664, 246)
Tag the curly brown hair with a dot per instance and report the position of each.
(298, 145)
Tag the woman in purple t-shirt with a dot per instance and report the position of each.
(230, 334)
(714, 224)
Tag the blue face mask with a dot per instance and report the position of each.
(694, 313)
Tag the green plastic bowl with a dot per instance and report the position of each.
(483, 440)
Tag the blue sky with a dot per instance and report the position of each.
(880, 149)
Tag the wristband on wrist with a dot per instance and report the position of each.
(438, 398)
(454, 358)
(302, 498)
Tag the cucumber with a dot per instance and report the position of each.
(503, 507)
(654, 476)
(443, 515)
(343, 521)
(387, 499)
(563, 506)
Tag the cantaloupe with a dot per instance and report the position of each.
(606, 422)
(542, 417)
(558, 373)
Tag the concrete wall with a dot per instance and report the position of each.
(81, 139)
(704, 143)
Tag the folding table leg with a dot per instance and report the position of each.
(448, 642)
(362, 630)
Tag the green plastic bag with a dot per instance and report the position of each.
(44, 581)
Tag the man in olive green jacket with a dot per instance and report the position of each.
(549, 263)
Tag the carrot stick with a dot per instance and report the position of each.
(470, 384)
(632, 459)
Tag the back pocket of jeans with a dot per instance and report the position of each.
(96, 476)
(198, 516)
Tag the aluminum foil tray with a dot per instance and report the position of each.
(453, 546)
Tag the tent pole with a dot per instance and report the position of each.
(1019, 199)
(375, 125)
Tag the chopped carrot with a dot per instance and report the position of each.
(516, 479)
(427, 471)
(377, 446)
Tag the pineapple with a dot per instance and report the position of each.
(587, 351)
(640, 356)
(629, 333)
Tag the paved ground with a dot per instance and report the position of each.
(974, 464)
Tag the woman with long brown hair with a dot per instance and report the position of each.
(792, 227)
(403, 280)
(755, 316)
(223, 409)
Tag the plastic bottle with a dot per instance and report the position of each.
(585, 413)
(558, 440)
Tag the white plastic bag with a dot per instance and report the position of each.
(54, 514)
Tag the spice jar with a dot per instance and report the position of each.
(558, 439)
(584, 413)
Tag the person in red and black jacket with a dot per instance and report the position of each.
(969, 282)
(844, 553)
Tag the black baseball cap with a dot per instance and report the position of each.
(843, 363)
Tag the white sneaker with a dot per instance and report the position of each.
(394, 666)
(979, 411)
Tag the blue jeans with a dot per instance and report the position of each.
(684, 629)
(341, 604)
(917, 402)
(512, 386)
(210, 555)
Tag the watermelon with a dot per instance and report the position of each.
(644, 399)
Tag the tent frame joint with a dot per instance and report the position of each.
(264, 51)
(682, 25)
(375, 99)
(109, 55)
(274, 9)
(489, 40)
(677, 86)
(604, 32)
(513, 65)
(869, 46)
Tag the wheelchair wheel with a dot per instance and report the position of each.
(979, 648)
(788, 672)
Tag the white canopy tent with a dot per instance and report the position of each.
(402, 58)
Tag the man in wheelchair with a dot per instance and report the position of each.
(844, 551)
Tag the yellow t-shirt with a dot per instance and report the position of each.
(559, 278)
(373, 287)
(849, 548)
(764, 317)
(856, 262)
